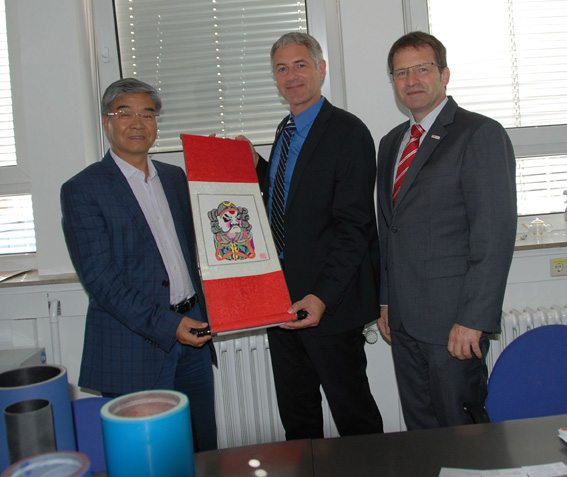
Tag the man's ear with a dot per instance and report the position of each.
(322, 70)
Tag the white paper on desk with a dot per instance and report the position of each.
(557, 469)
(448, 472)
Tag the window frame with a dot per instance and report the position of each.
(322, 23)
(527, 141)
(15, 180)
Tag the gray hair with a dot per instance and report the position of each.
(299, 38)
(128, 86)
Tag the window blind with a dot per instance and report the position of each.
(7, 142)
(210, 61)
(17, 232)
(540, 182)
(508, 60)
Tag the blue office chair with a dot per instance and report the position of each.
(88, 430)
(529, 378)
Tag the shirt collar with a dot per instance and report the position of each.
(306, 118)
(428, 120)
(129, 170)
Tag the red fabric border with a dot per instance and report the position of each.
(212, 159)
(247, 302)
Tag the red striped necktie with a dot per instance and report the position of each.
(405, 161)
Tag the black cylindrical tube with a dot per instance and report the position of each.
(29, 428)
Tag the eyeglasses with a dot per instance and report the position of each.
(146, 116)
(420, 70)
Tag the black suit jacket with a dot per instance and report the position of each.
(447, 245)
(331, 242)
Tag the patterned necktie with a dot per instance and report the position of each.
(278, 194)
(405, 161)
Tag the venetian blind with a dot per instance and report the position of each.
(17, 233)
(210, 61)
(7, 142)
(508, 60)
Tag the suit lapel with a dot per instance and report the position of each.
(311, 141)
(386, 168)
(120, 187)
(179, 219)
(433, 138)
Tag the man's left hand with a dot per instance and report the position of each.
(314, 308)
(462, 340)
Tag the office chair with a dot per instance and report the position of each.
(88, 430)
(529, 378)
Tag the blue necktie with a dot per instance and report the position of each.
(278, 194)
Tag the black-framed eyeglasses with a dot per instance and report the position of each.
(423, 69)
(146, 116)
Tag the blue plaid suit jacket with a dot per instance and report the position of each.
(129, 326)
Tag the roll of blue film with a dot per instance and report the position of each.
(47, 382)
(60, 464)
(148, 433)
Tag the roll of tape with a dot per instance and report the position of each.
(47, 382)
(60, 464)
(148, 433)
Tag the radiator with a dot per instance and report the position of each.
(245, 399)
(517, 322)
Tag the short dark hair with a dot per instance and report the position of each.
(128, 86)
(419, 39)
(299, 38)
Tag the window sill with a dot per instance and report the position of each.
(32, 278)
(553, 239)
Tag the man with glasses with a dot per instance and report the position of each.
(447, 224)
(129, 231)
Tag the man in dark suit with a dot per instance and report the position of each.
(330, 250)
(128, 228)
(446, 235)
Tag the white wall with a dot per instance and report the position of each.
(57, 124)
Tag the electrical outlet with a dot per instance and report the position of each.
(558, 267)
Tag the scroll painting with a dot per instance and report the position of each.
(242, 278)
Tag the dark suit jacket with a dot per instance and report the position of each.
(129, 326)
(448, 243)
(331, 247)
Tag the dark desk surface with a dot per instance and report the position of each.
(424, 453)
(280, 459)
(415, 453)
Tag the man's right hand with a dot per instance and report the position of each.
(184, 335)
(255, 155)
(383, 324)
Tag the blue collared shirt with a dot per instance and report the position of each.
(303, 123)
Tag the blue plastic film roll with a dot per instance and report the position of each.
(148, 434)
(61, 464)
(47, 382)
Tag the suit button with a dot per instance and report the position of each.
(165, 283)
(394, 229)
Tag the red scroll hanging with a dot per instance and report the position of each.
(242, 279)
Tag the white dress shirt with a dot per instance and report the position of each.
(154, 205)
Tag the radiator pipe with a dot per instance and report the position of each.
(54, 312)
